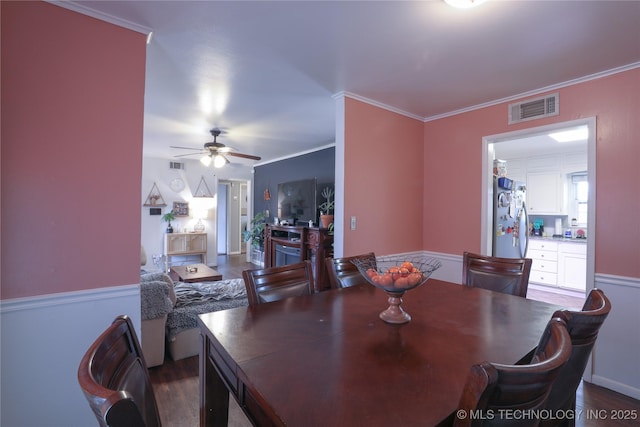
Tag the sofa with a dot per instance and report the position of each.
(170, 309)
(157, 299)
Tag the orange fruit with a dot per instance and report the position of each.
(394, 271)
(407, 264)
(401, 282)
(385, 279)
(414, 278)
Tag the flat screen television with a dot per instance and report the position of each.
(297, 201)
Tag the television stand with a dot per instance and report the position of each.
(284, 242)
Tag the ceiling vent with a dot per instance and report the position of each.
(534, 109)
(176, 165)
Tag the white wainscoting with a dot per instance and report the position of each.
(43, 340)
(615, 362)
(451, 270)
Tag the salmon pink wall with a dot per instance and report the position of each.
(72, 116)
(453, 170)
(383, 180)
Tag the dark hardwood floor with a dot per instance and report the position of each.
(176, 384)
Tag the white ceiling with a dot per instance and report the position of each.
(539, 144)
(266, 71)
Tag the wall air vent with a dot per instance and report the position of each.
(534, 108)
(176, 165)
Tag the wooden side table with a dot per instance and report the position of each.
(181, 244)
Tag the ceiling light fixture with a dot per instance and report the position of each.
(219, 161)
(464, 4)
(206, 160)
(577, 134)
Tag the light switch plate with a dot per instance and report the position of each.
(353, 222)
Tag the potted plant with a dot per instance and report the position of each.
(168, 217)
(255, 233)
(326, 207)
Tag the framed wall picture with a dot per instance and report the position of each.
(181, 208)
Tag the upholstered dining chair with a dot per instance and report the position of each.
(275, 283)
(499, 390)
(114, 378)
(583, 327)
(343, 273)
(505, 275)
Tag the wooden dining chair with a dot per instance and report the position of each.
(505, 275)
(494, 392)
(276, 283)
(583, 327)
(343, 273)
(114, 378)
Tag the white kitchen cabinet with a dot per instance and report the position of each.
(572, 262)
(545, 193)
(544, 266)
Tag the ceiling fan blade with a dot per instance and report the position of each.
(186, 148)
(189, 154)
(244, 156)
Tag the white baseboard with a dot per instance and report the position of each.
(619, 387)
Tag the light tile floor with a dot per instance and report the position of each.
(571, 300)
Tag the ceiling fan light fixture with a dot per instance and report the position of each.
(219, 161)
(206, 160)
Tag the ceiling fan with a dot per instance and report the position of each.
(215, 152)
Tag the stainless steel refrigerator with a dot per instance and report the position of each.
(510, 219)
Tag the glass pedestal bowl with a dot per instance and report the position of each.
(396, 275)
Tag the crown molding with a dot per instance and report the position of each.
(70, 5)
(299, 153)
(345, 94)
(537, 91)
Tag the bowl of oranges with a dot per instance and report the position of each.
(396, 275)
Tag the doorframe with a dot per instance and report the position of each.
(228, 183)
(487, 184)
(222, 218)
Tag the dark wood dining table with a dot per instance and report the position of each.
(329, 360)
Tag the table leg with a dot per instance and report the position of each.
(214, 395)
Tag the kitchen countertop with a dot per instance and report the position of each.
(559, 239)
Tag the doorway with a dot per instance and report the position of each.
(221, 223)
(530, 143)
(232, 216)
